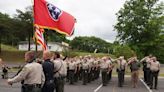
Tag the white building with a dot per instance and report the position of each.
(52, 46)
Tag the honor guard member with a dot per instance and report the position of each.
(147, 71)
(76, 76)
(85, 68)
(109, 75)
(72, 71)
(155, 68)
(97, 68)
(32, 74)
(48, 69)
(60, 72)
(134, 66)
(104, 69)
(121, 70)
(67, 62)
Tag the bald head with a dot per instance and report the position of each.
(47, 55)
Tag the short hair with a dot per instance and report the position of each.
(31, 54)
(48, 54)
(57, 54)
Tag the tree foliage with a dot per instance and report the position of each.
(90, 44)
(20, 28)
(140, 25)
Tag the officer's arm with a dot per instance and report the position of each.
(143, 59)
(21, 76)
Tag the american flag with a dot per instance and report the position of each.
(40, 38)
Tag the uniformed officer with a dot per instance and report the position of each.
(121, 70)
(97, 68)
(104, 69)
(60, 72)
(146, 67)
(109, 75)
(32, 74)
(72, 71)
(134, 66)
(85, 68)
(48, 68)
(155, 68)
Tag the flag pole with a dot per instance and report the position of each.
(36, 46)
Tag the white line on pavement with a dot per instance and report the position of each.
(98, 88)
(146, 85)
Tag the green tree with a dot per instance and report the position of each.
(139, 24)
(89, 44)
(123, 50)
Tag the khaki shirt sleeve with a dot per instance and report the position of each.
(21, 76)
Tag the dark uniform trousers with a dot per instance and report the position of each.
(71, 76)
(59, 84)
(89, 76)
(49, 86)
(154, 79)
(104, 76)
(97, 73)
(148, 74)
(76, 76)
(110, 75)
(144, 71)
(84, 76)
(31, 88)
(67, 77)
(121, 74)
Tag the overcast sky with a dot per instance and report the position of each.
(94, 17)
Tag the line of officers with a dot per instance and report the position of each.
(50, 73)
(87, 69)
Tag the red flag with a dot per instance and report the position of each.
(49, 16)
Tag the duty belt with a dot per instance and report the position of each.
(33, 85)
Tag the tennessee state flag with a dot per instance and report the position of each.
(48, 16)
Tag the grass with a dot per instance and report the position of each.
(8, 48)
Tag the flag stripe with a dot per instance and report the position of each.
(40, 38)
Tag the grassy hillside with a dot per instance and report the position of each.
(8, 48)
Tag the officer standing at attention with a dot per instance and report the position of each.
(72, 71)
(155, 68)
(109, 76)
(134, 66)
(85, 68)
(104, 69)
(48, 69)
(147, 71)
(60, 72)
(121, 70)
(32, 74)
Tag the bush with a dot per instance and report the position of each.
(123, 50)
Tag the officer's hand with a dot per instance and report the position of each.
(9, 82)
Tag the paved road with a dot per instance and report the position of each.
(94, 86)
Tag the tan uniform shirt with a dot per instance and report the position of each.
(121, 64)
(104, 64)
(154, 66)
(148, 60)
(32, 73)
(60, 68)
(85, 65)
(72, 65)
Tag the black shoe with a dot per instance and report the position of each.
(151, 87)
